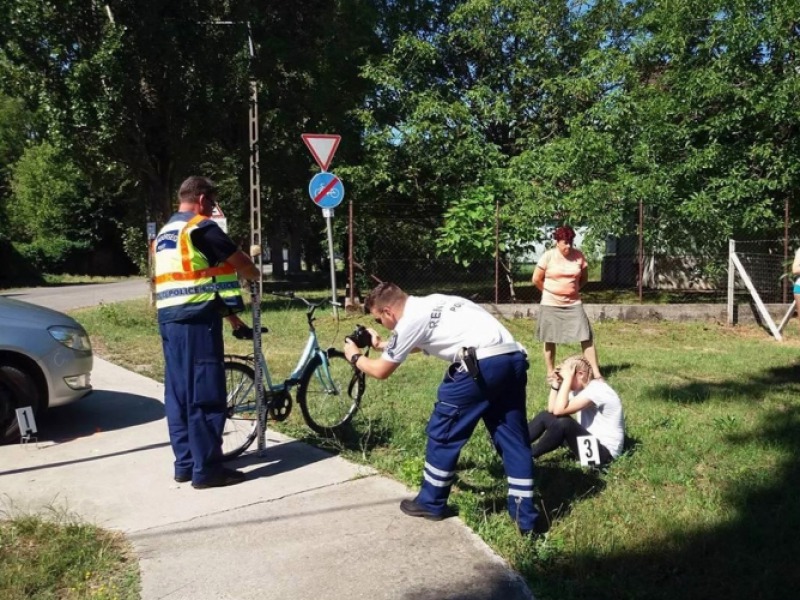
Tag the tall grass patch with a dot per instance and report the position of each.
(56, 557)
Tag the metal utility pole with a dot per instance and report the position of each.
(255, 174)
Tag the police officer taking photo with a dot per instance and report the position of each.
(485, 381)
(197, 268)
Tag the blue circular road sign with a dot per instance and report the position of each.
(326, 190)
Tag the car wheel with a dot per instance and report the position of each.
(17, 389)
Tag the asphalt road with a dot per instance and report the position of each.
(68, 297)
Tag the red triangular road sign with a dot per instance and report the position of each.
(323, 146)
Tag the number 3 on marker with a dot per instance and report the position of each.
(589, 450)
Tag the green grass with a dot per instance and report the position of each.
(703, 503)
(60, 558)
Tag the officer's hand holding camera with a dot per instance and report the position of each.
(361, 338)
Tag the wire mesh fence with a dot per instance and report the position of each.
(614, 277)
(768, 264)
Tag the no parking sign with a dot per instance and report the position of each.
(326, 190)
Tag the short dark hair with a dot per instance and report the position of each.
(565, 232)
(194, 187)
(383, 294)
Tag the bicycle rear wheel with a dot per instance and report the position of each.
(329, 392)
(240, 422)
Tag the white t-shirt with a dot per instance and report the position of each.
(441, 325)
(604, 419)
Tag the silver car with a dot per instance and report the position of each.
(45, 360)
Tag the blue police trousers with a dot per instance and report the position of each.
(194, 395)
(498, 397)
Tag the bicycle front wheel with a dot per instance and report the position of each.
(241, 418)
(329, 392)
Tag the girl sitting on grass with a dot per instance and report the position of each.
(599, 413)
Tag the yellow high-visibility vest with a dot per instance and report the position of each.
(186, 285)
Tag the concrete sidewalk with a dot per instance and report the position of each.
(305, 525)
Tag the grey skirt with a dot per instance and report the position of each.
(563, 324)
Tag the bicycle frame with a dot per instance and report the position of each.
(311, 349)
(335, 392)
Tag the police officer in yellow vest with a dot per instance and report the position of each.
(197, 267)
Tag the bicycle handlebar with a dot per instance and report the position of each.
(306, 301)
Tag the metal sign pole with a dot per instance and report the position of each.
(328, 214)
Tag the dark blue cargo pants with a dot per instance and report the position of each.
(499, 399)
(194, 395)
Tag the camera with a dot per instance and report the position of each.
(360, 337)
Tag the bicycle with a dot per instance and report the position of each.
(329, 390)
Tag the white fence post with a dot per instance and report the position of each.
(731, 279)
(756, 298)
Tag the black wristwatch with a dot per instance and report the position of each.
(354, 358)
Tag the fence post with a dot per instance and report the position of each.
(497, 251)
(641, 248)
(731, 277)
(785, 246)
(350, 254)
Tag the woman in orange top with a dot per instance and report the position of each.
(560, 274)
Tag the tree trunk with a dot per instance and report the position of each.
(295, 252)
(276, 253)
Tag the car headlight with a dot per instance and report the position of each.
(71, 337)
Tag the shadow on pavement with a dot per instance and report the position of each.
(102, 410)
(76, 461)
(279, 458)
(342, 512)
(493, 585)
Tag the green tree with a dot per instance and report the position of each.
(143, 93)
(309, 57)
(690, 115)
(470, 86)
(16, 129)
(131, 92)
(51, 209)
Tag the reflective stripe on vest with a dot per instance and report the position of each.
(185, 283)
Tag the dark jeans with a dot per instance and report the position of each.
(550, 432)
